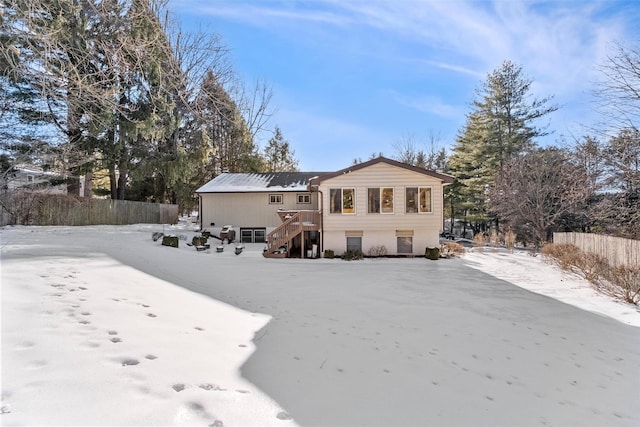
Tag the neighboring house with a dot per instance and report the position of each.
(32, 179)
(379, 203)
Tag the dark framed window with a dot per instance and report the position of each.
(275, 199)
(304, 199)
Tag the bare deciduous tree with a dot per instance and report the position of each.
(536, 190)
(429, 155)
(618, 92)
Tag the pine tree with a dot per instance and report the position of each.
(501, 125)
(279, 155)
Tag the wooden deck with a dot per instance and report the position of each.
(294, 224)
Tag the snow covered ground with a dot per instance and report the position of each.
(103, 326)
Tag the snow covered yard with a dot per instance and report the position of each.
(103, 326)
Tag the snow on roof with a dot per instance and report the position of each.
(34, 171)
(259, 182)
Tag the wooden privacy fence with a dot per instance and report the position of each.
(47, 209)
(616, 250)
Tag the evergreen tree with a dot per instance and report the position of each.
(278, 154)
(501, 125)
(227, 141)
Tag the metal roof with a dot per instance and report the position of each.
(259, 182)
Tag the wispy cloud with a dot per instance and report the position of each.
(428, 104)
(554, 41)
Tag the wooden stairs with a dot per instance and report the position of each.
(294, 224)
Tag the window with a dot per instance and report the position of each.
(373, 200)
(418, 200)
(275, 199)
(405, 245)
(387, 200)
(380, 200)
(304, 199)
(342, 200)
(354, 244)
(30, 179)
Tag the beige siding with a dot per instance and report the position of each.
(380, 229)
(248, 209)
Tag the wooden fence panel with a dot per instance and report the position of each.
(43, 209)
(617, 250)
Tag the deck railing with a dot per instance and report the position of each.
(294, 223)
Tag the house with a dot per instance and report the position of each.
(35, 180)
(377, 204)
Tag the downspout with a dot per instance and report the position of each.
(321, 250)
(200, 210)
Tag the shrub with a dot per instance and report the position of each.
(564, 254)
(170, 241)
(479, 240)
(623, 282)
(199, 241)
(432, 253)
(494, 238)
(328, 253)
(510, 240)
(627, 279)
(376, 251)
(353, 254)
(451, 249)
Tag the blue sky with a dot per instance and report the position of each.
(351, 78)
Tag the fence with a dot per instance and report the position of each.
(616, 250)
(47, 209)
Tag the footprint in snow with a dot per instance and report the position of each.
(129, 362)
(178, 387)
(151, 357)
(283, 416)
(112, 332)
(25, 345)
(115, 340)
(151, 315)
(209, 387)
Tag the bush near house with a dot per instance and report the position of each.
(377, 251)
(432, 253)
(451, 249)
(352, 255)
(170, 241)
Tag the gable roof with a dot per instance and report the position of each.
(446, 179)
(296, 181)
(259, 182)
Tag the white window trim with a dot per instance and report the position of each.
(307, 196)
(275, 197)
(418, 201)
(355, 199)
(393, 202)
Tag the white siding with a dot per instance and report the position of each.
(380, 229)
(248, 209)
